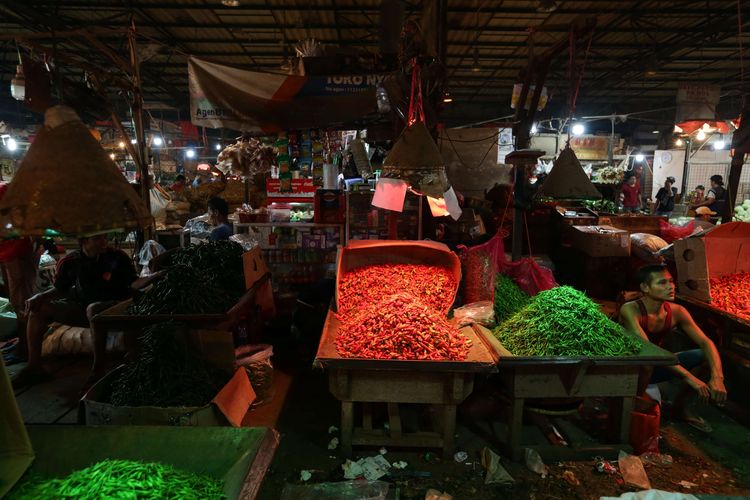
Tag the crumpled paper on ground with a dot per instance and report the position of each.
(496, 473)
(372, 468)
(652, 495)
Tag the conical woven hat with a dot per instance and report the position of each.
(567, 179)
(415, 158)
(68, 183)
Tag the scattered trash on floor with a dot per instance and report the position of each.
(535, 464)
(605, 467)
(436, 495)
(332, 429)
(344, 490)
(382, 451)
(399, 465)
(333, 443)
(305, 475)
(632, 471)
(571, 478)
(371, 468)
(496, 473)
(687, 484)
(430, 458)
(660, 459)
(460, 456)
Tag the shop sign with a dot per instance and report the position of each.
(697, 102)
(590, 147)
(251, 101)
(289, 189)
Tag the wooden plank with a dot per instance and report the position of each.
(408, 440)
(597, 382)
(51, 401)
(397, 387)
(347, 427)
(260, 465)
(367, 416)
(394, 420)
(449, 430)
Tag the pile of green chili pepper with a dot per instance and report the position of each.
(509, 299)
(184, 290)
(221, 261)
(166, 373)
(124, 479)
(564, 322)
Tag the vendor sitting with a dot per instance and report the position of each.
(87, 281)
(218, 215)
(652, 317)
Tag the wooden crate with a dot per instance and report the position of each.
(635, 223)
(722, 250)
(600, 241)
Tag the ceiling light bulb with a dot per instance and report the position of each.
(11, 144)
(112, 156)
(654, 131)
(678, 142)
(701, 135)
(158, 141)
(218, 147)
(190, 153)
(719, 144)
(230, 3)
(133, 141)
(639, 157)
(578, 129)
(121, 144)
(534, 130)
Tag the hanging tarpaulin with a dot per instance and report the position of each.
(251, 101)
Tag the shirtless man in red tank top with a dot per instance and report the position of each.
(652, 317)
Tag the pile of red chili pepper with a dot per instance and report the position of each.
(362, 286)
(400, 327)
(731, 293)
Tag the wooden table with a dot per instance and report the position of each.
(390, 382)
(534, 377)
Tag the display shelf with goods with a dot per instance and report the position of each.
(297, 253)
(367, 222)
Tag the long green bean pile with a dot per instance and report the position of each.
(121, 479)
(564, 322)
(166, 373)
(509, 299)
(183, 290)
(220, 260)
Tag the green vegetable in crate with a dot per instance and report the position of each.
(219, 260)
(184, 290)
(125, 479)
(166, 373)
(508, 298)
(607, 206)
(564, 322)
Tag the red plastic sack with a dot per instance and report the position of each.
(644, 425)
(479, 264)
(530, 277)
(670, 232)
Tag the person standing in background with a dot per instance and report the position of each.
(630, 195)
(716, 198)
(20, 262)
(665, 198)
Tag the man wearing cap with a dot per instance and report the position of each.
(87, 281)
(665, 198)
(716, 198)
(703, 217)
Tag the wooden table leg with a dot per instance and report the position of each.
(619, 418)
(515, 428)
(347, 427)
(394, 420)
(449, 430)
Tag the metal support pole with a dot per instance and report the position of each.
(686, 164)
(519, 186)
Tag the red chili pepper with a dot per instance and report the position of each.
(399, 327)
(731, 293)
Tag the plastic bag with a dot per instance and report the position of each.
(199, 227)
(645, 246)
(246, 240)
(477, 312)
(159, 201)
(670, 232)
(479, 266)
(644, 426)
(257, 362)
(346, 490)
(149, 250)
(45, 276)
(530, 276)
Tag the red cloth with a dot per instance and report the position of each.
(12, 249)
(630, 195)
